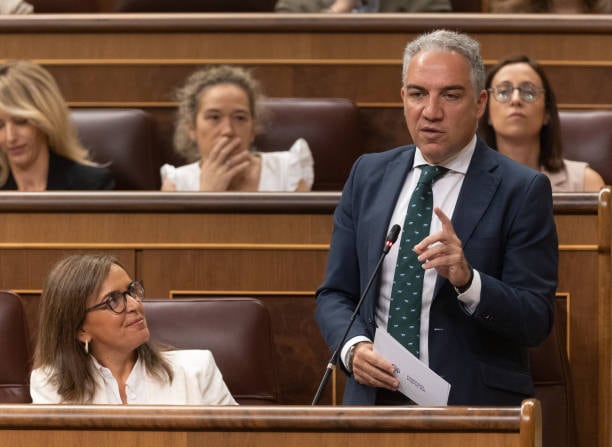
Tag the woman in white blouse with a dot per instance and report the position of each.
(219, 113)
(93, 345)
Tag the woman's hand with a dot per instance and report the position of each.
(223, 164)
(342, 6)
(167, 185)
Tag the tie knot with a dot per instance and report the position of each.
(429, 173)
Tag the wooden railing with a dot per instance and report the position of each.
(167, 426)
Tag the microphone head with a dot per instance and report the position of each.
(393, 233)
(391, 237)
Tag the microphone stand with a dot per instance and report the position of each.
(333, 361)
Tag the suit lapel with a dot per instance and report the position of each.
(383, 204)
(479, 186)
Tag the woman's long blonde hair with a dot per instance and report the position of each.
(29, 91)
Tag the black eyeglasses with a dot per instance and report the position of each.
(116, 301)
(528, 92)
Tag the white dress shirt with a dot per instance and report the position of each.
(197, 381)
(445, 194)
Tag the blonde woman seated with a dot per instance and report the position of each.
(219, 113)
(522, 121)
(93, 344)
(39, 149)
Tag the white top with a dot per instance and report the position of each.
(568, 179)
(197, 381)
(280, 171)
(15, 7)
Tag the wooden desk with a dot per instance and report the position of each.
(157, 426)
(274, 247)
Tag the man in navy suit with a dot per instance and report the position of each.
(490, 259)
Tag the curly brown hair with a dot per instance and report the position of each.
(189, 95)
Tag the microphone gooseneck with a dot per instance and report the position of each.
(389, 241)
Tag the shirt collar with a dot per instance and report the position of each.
(106, 373)
(459, 163)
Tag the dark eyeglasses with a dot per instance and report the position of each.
(528, 92)
(116, 301)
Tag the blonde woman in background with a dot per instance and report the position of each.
(39, 149)
(219, 113)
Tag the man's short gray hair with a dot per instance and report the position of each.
(449, 41)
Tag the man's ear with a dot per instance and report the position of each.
(481, 103)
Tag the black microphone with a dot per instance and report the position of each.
(389, 241)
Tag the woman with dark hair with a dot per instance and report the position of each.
(521, 121)
(93, 344)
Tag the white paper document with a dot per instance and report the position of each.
(417, 381)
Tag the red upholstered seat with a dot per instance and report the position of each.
(329, 125)
(14, 351)
(125, 139)
(587, 136)
(236, 330)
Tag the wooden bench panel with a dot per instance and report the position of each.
(274, 247)
(170, 426)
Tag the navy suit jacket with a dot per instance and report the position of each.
(504, 218)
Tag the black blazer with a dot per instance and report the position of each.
(65, 175)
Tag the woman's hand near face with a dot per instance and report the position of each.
(223, 164)
(167, 185)
(342, 6)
